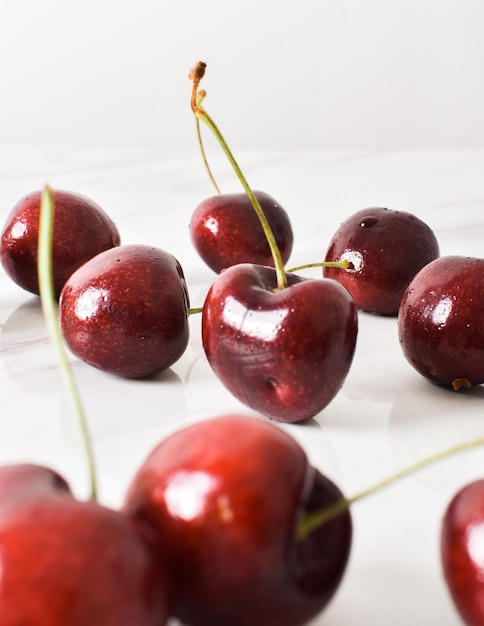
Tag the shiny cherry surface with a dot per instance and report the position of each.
(221, 500)
(81, 230)
(283, 353)
(125, 311)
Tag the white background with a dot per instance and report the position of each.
(364, 74)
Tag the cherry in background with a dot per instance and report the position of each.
(70, 563)
(441, 321)
(126, 311)
(462, 549)
(226, 230)
(81, 230)
(221, 501)
(386, 249)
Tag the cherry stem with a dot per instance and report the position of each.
(312, 521)
(343, 264)
(196, 76)
(194, 310)
(202, 147)
(51, 315)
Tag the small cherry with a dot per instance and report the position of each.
(440, 321)
(82, 229)
(386, 249)
(225, 230)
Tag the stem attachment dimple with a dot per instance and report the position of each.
(51, 315)
(196, 75)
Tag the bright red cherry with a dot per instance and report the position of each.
(81, 230)
(65, 562)
(221, 500)
(462, 552)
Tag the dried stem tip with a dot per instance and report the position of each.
(197, 72)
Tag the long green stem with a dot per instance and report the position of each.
(196, 76)
(312, 521)
(51, 315)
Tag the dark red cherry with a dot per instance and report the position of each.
(81, 230)
(284, 353)
(386, 249)
(441, 321)
(125, 311)
(226, 230)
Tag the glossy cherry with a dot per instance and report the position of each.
(66, 562)
(386, 249)
(440, 322)
(221, 501)
(283, 352)
(225, 230)
(81, 230)
(125, 311)
(462, 549)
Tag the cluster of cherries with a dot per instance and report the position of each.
(197, 537)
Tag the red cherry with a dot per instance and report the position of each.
(81, 230)
(68, 562)
(284, 353)
(386, 249)
(226, 230)
(462, 552)
(125, 311)
(221, 500)
(440, 322)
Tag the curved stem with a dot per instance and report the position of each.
(343, 264)
(204, 156)
(51, 315)
(196, 76)
(312, 521)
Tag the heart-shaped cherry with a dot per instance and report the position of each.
(222, 500)
(440, 322)
(386, 249)
(81, 230)
(126, 311)
(284, 353)
(66, 562)
(225, 230)
(462, 549)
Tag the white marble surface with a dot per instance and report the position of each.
(386, 415)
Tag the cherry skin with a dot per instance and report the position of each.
(440, 322)
(284, 353)
(69, 562)
(221, 501)
(81, 230)
(462, 543)
(125, 311)
(386, 249)
(226, 230)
